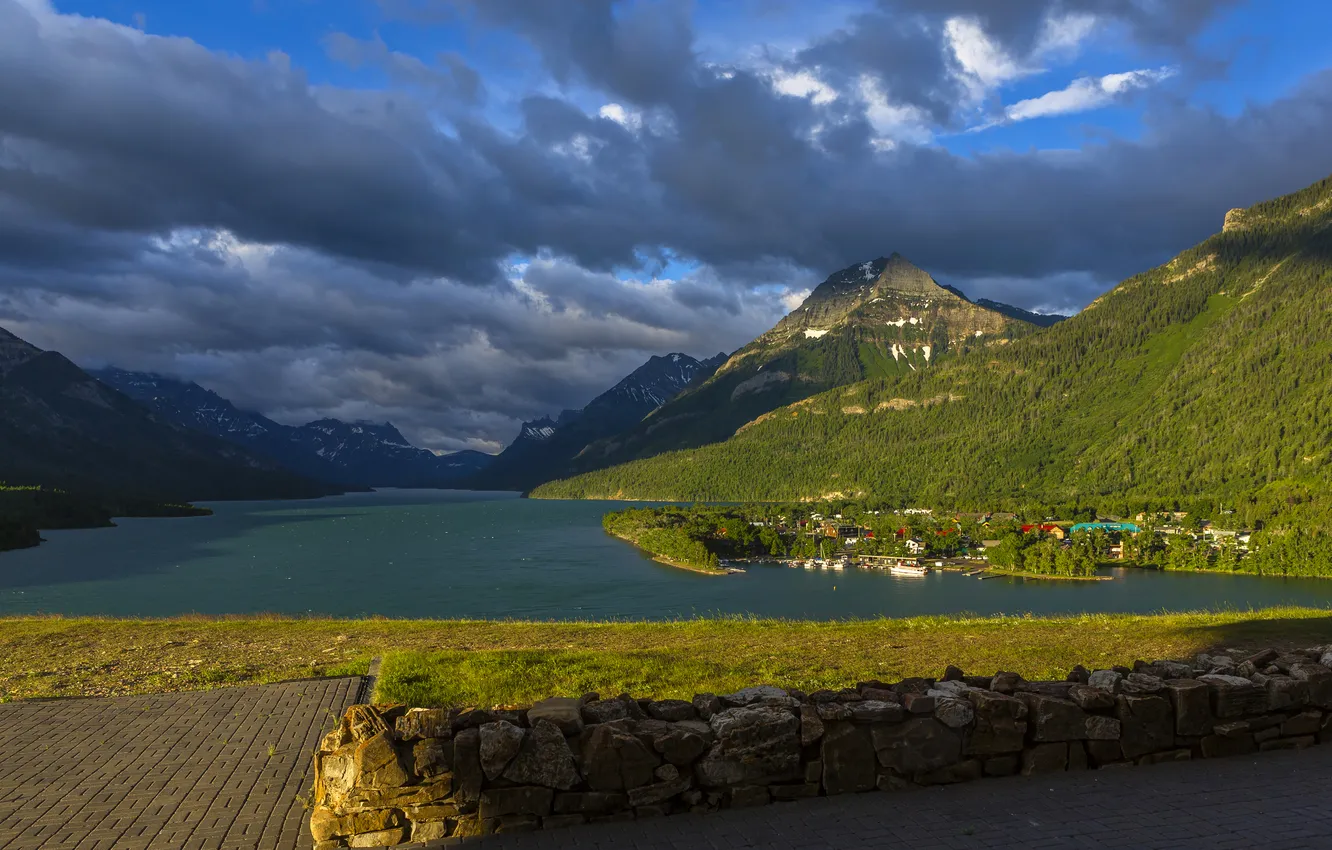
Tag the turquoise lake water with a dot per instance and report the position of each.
(429, 553)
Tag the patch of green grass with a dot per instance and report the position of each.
(677, 660)
(501, 677)
(486, 662)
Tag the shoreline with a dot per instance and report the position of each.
(1157, 569)
(665, 561)
(1042, 577)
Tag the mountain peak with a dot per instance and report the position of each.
(901, 275)
(14, 351)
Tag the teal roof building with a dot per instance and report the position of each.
(1106, 526)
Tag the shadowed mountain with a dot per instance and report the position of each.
(357, 454)
(60, 427)
(546, 448)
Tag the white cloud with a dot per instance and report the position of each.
(1064, 34)
(581, 147)
(804, 83)
(794, 299)
(982, 64)
(630, 119)
(892, 122)
(1085, 93)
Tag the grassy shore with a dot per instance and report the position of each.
(506, 662)
(671, 562)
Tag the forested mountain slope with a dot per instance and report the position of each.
(1210, 376)
(882, 318)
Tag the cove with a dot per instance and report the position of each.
(456, 554)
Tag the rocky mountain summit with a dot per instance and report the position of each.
(358, 454)
(889, 303)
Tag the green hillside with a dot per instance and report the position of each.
(1209, 376)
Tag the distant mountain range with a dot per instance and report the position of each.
(60, 427)
(356, 454)
(1208, 377)
(547, 448)
(1043, 320)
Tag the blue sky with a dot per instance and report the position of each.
(460, 214)
(1267, 47)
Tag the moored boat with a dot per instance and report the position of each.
(905, 570)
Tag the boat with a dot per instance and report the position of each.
(902, 570)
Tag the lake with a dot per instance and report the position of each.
(430, 553)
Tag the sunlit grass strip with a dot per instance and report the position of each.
(682, 659)
(503, 662)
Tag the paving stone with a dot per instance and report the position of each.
(1273, 800)
(166, 771)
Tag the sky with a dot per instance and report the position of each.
(456, 215)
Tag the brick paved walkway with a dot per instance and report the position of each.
(1273, 800)
(164, 772)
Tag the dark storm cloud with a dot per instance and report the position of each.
(898, 50)
(310, 250)
(157, 133)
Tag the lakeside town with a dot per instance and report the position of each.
(916, 541)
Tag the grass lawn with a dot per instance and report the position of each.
(440, 662)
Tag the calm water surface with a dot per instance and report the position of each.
(424, 553)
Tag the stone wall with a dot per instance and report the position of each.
(392, 774)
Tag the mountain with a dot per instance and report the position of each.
(1043, 320)
(1209, 376)
(881, 318)
(59, 427)
(380, 456)
(546, 448)
(357, 454)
